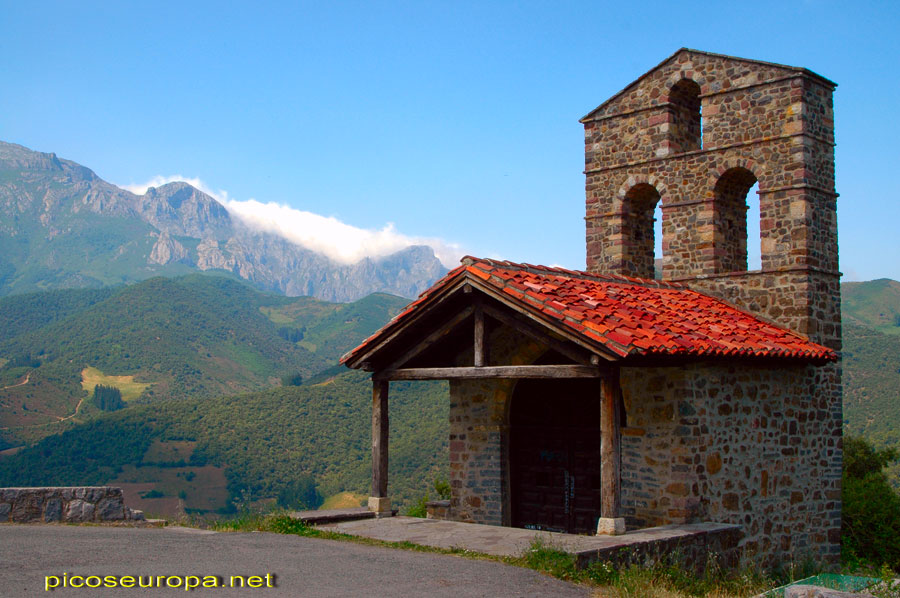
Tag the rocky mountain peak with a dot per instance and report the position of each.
(72, 228)
(181, 209)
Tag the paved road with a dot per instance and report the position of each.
(301, 567)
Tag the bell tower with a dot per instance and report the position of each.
(694, 135)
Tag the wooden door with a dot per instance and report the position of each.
(555, 455)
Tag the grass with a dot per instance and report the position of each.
(91, 377)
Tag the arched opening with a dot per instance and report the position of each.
(657, 242)
(754, 237)
(730, 220)
(639, 223)
(686, 127)
(555, 455)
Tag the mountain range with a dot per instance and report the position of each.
(62, 226)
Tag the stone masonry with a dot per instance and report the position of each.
(734, 443)
(65, 505)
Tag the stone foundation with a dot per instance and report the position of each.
(65, 505)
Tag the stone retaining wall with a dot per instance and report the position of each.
(705, 545)
(68, 505)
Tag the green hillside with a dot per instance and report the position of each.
(193, 336)
(263, 440)
(871, 312)
(874, 304)
(872, 388)
(872, 384)
(338, 327)
(31, 311)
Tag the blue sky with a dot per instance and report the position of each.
(454, 121)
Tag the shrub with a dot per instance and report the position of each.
(870, 518)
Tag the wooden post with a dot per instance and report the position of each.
(610, 521)
(479, 336)
(379, 501)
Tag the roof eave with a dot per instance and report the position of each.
(355, 360)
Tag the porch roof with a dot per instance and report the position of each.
(620, 317)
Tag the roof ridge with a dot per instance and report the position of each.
(797, 69)
(470, 260)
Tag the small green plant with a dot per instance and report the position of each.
(419, 508)
(889, 588)
(544, 556)
(442, 487)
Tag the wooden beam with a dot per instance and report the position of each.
(610, 491)
(431, 339)
(379, 438)
(479, 336)
(501, 371)
(532, 331)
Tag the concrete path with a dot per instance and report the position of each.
(299, 567)
(509, 541)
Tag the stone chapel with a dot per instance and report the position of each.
(617, 398)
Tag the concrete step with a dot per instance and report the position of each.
(334, 515)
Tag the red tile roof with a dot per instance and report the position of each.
(626, 316)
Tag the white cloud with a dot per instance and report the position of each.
(324, 234)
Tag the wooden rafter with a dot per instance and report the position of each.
(442, 331)
(534, 332)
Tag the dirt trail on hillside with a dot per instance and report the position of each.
(58, 418)
(22, 383)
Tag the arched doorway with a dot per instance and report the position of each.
(555, 455)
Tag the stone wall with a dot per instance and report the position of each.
(712, 545)
(741, 443)
(65, 505)
(736, 443)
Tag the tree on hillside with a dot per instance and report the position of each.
(24, 360)
(870, 516)
(291, 335)
(295, 379)
(108, 398)
(300, 493)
